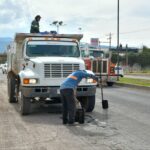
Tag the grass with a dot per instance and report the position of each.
(140, 82)
(142, 72)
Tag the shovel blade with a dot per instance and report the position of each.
(105, 104)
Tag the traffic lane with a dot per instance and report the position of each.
(110, 129)
(129, 113)
(146, 77)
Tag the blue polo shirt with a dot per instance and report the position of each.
(72, 81)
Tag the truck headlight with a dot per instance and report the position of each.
(91, 81)
(29, 81)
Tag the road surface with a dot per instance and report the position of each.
(146, 77)
(124, 126)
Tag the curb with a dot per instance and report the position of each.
(133, 86)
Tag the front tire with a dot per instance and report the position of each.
(110, 83)
(25, 105)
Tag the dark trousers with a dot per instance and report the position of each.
(69, 106)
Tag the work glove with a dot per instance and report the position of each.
(94, 78)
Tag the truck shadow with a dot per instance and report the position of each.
(52, 114)
(41, 114)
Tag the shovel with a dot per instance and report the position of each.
(104, 102)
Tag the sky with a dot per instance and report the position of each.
(92, 18)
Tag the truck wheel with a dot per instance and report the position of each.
(11, 89)
(88, 103)
(110, 83)
(25, 105)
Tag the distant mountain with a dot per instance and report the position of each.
(4, 42)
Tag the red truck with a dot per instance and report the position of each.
(94, 61)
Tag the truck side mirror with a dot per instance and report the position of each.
(26, 58)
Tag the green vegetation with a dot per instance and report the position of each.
(142, 59)
(140, 82)
(143, 72)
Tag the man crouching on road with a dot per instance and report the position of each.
(68, 96)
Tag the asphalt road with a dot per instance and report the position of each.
(124, 126)
(146, 77)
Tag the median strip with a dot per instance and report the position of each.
(140, 82)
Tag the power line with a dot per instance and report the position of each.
(136, 31)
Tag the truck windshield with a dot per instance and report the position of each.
(93, 53)
(96, 54)
(52, 48)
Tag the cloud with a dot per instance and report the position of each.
(96, 17)
(11, 11)
(13, 16)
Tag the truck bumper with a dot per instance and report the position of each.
(50, 92)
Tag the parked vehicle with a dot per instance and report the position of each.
(4, 68)
(119, 70)
(38, 64)
(102, 67)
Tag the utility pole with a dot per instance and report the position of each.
(126, 55)
(109, 38)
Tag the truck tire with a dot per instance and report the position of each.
(110, 83)
(11, 89)
(25, 105)
(88, 103)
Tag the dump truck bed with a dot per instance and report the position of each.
(22, 36)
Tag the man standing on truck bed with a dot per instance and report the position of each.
(68, 96)
(35, 25)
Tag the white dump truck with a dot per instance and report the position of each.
(38, 64)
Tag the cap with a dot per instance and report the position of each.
(37, 16)
(90, 72)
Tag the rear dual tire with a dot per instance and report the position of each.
(11, 89)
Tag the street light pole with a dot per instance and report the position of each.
(118, 39)
(118, 24)
(57, 24)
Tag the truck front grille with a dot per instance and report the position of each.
(99, 65)
(59, 70)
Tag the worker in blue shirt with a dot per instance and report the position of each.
(68, 96)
